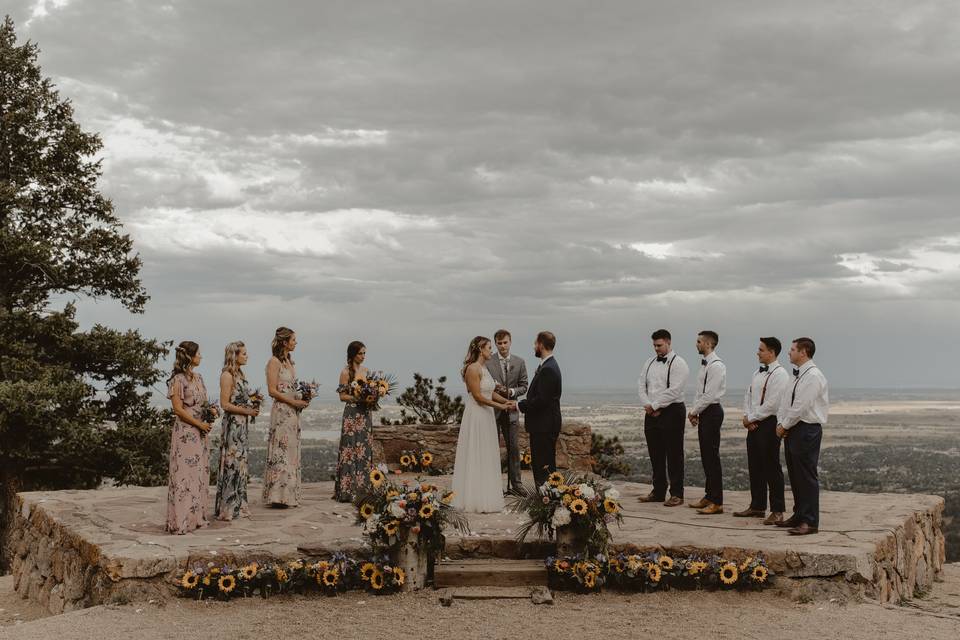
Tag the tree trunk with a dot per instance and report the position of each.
(9, 487)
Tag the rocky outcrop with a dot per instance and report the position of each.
(573, 445)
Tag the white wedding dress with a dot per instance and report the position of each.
(476, 469)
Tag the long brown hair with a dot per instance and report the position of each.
(183, 358)
(279, 346)
(230, 354)
(473, 353)
(352, 350)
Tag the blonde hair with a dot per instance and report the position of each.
(279, 346)
(230, 355)
(473, 353)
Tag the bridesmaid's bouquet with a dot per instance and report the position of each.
(209, 411)
(255, 398)
(306, 391)
(368, 391)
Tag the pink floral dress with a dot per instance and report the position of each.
(281, 477)
(189, 460)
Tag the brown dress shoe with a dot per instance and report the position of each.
(650, 497)
(673, 501)
(699, 504)
(774, 518)
(802, 529)
(749, 512)
(711, 509)
(792, 521)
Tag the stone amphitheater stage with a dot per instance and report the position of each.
(74, 549)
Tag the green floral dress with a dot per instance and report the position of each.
(234, 444)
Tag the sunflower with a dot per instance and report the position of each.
(413, 496)
(654, 573)
(227, 583)
(367, 570)
(616, 565)
(729, 573)
(665, 562)
(746, 564)
(399, 576)
(759, 573)
(555, 479)
(590, 580)
(214, 571)
(696, 567)
(249, 572)
(392, 493)
(567, 499)
(282, 576)
(206, 580)
(330, 578)
(426, 511)
(578, 507)
(321, 566)
(376, 580)
(426, 458)
(633, 563)
(447, 499)
(376, 478)
(391, 527)
(405, 460)
(526, 458)
(189, 580)
(610, 505)
(366, 510)
(295, 565)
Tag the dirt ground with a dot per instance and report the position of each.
(610, 615)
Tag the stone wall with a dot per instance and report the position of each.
(573, 446)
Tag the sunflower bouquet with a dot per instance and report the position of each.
(573, 504)
(370, 390)
(255, 400)
(379, 576)
(390, 513)
(577, 573)
(418, 461)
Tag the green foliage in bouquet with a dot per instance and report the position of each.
(427, 404)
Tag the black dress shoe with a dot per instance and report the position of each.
(802, 529)
(790, 522)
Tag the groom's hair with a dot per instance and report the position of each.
(661, 334)
(547, 339)
(501, 334)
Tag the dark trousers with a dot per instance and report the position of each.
(708, 433)
(543, 454)
(664, 435)
(803, 452)
(511, 433)
(763, 461)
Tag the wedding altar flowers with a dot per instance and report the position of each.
(649, 572)
(370, 390)
(579, 506)
(418, 461)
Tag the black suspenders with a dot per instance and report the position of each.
(646, 374)
(793, 396)
(706, 374)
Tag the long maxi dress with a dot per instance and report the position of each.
(355, 458)
(281, 477)
(234, 473)
(189, 475)
(476, 469)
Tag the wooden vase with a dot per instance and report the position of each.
(412, 558)
(569, 542)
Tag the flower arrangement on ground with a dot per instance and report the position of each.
(418, 461)
(653, 571)
(569, 503)
(370, 390)
(577, 573)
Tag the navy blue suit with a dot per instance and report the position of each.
(542, 420)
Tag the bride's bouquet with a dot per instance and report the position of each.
(370, 390)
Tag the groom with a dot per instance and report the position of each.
(541, 409)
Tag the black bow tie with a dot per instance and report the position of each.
(661, 358)
(703, 362)
(765, 367)
(796, 372)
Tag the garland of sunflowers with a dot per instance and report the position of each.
(577, 510)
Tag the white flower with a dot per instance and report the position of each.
(396, 510)
(613, 494)
(587, 492)
(561, 517)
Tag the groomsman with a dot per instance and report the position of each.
(760, 405)
(707, 416)
(541, 409)
(510, 373)
(662, 383)
(803, 412)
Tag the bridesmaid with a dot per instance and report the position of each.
(232, 480)
(189, 444)
(281, 477)
(356, 450)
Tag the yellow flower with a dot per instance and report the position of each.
(616, 565)
(367, 570)
(633, 563)
(694, 568)
(666, 563)
(399, 576)
(376, 478)
(376, 580)
(206, 580)
(578, 507)
(760, 573)
(295, 565)
(654, 573)
(366, 510)
(404, 460)
(189, 580)
(426, 511)
(282, 576)
(413, 496)
(555, 479)
(214, 571)
(227, 583)
(590, 580)
(567, 499)
(610, 505)
(526, 458)
(426, 458)
(392, 493)
(330, 577)
(729, 573)
(746, 563)
(447, 499)
(249, 572)
(321, 566)
(391, 527)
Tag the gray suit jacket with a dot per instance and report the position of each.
(516, 378)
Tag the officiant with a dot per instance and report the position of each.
(510, 373)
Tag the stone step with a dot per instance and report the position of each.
(489, 573)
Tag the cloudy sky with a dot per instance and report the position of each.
(415, 173)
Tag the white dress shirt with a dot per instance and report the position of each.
(805, 399)
(711, 383)
(765, 393)
(653, 381)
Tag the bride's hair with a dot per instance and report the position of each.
(473, 353)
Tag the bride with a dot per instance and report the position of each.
(476, 469)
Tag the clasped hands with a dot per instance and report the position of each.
(650, 411)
